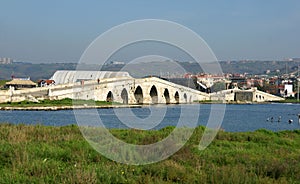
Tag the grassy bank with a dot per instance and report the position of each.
(40, 154)
(210, 102)
(289, 100)
(63, 102)
(2, 83)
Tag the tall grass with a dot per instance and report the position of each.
(42, 154)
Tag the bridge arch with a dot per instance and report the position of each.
(124, 96)
(109, 97)
(185, 97)
(153, 95)
(138, 95)
(167, 96)
(176, 96)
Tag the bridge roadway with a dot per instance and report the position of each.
(126, 90)
(129, 90)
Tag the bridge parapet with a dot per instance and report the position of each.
(149, 90)
(125, 90)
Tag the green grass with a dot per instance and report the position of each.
(211, 101)
(289, 100)
(2, 83)
(42, 154)
(63, 102)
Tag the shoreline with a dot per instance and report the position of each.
(57, 108)
(66, 107)
(43, 154)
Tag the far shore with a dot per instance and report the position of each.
(56, 108)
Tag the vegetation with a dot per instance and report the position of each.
(2, 83)
(289, 100)
(211, 101)
(218, 86)
(63, 102)
(35, 71)
(45, 71)
(42, 154)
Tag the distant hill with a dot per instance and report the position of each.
(45, 71)
(251, 67)
(35, 71)
(259, 67)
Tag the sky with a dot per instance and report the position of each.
(60, 30)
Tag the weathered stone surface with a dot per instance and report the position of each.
(127, 90)
(124, 90)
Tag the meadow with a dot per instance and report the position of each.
(45, 154)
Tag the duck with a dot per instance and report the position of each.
(279, 118)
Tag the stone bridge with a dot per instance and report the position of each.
(126, 90)
(122, 88)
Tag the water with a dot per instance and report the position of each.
(238, 118)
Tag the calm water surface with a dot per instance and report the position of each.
(238, 118)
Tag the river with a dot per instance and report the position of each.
(238, 118)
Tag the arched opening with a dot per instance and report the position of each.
(124, 96)
(153, 94)
(109, 97)
(176, 96)
(167, 96)
(138, 95)
(185, 97)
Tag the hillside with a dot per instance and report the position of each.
(45, 71)
(35, 71)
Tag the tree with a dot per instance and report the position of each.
(218, 86)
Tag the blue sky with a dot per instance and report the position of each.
(60, 30)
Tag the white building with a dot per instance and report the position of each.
(70, 76)
(288, 90)
(6, 60)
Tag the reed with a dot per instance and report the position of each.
(44, 154)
